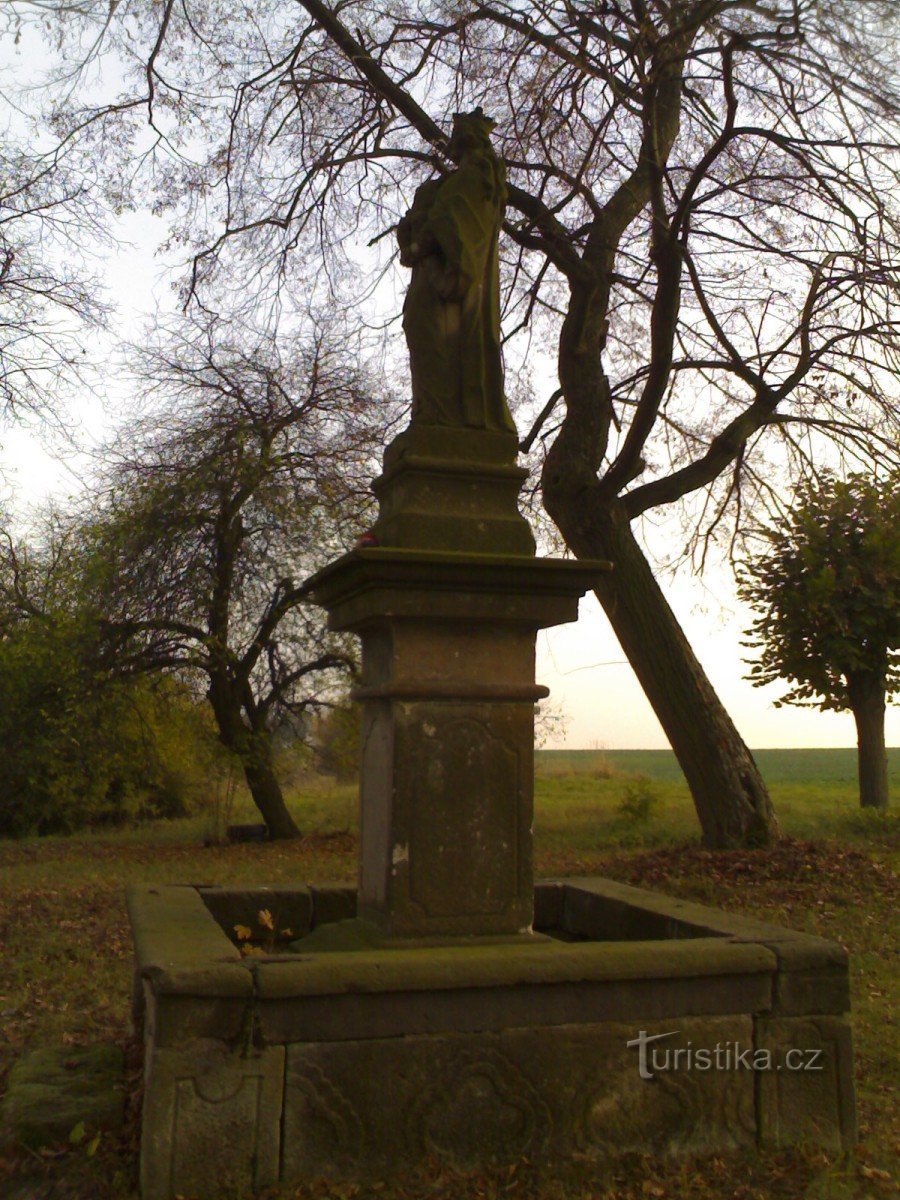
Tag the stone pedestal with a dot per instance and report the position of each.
(448, 697)
(452, 489)
(447, 606)
(454, 1014)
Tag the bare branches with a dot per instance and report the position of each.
(217, 508)
(46, 303)
(702, 197)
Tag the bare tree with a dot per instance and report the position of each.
(213, 513)
(47, 299)
(702, 221)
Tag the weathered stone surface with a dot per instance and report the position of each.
(290, 907)
(173, 931)
(211, 1120)
(52, 1090)
(171, 1018)
(359, 1107)
(431, 501)
(813, 1104)
(446, 824)
(501, 964)
(172, 928)
(448, 695)
(451, 315)
(548, 905)
(378, 584)
(332, 902)
(432, 1031)
(812, 974)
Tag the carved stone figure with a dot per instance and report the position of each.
(451, 316)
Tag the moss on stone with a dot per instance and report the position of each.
(52, 1091)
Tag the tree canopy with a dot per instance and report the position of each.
(214, 511)
(77, 745)
(827, 593)
(247, 472)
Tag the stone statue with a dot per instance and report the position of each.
(451, 316)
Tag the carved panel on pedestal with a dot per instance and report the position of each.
(681, 1112)
(480, 1109)
(203, 1103)
(812, 1104)
(326, 1126)
(464, 818)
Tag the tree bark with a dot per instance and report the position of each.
(732, 802)
(866, 692)
(255, 753)
(266, 791)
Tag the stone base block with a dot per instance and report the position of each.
(631, 1022)
(212, 1120)
(357, 1108)
(807, 1097)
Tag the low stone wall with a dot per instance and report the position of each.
(636, 1022)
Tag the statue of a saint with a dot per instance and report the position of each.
(451, 316)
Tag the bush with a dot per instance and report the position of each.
(640, 800)
(335, 739)
(77, 748)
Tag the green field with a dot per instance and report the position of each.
(777, 766)
(582, 797)
(66, 974)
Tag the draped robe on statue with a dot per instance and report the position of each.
(451, 316)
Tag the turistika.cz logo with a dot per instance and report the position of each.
(724, 1056)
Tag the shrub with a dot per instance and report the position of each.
(77, 748)
(640, 800)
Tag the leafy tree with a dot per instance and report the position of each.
(702, 223)
(78, 747)
(335, 740)
(214, 511)
(827, 591)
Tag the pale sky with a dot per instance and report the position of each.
(582, 663)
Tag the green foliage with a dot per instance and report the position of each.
(827, 591)
(336, 741)
(78, 748)
(640, 799)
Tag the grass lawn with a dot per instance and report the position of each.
(66, 965)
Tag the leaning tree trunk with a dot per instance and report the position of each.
(731, 799)
(255, 754)
(866, 691)
(266, 791)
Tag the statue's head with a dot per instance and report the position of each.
(469, 130)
